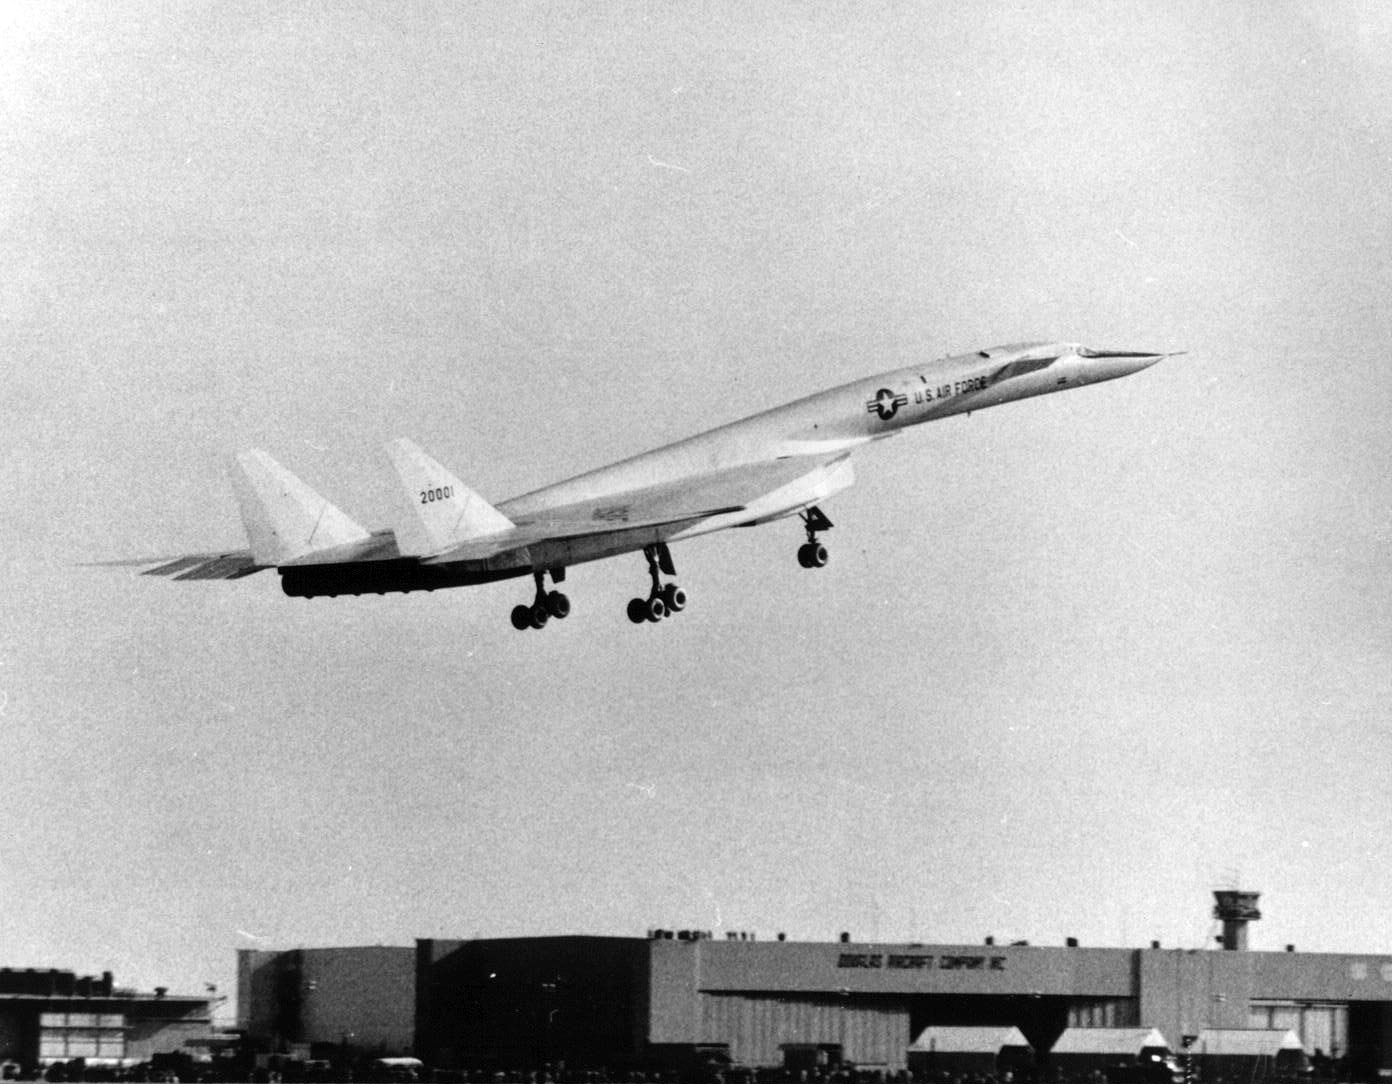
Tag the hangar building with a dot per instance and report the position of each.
(669, 997)
(58, 1016)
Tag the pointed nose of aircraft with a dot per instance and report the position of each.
(1110, 364)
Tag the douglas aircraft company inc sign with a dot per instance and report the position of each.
(876, 961)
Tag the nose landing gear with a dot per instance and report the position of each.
(547, 604)
(663, 599)
(812, 554)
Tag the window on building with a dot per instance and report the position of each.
(1321, 1025)
(67, 1035)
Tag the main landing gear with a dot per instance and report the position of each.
(546, 605)
(812, 554)
(663, 599)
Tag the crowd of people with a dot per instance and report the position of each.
(407, 1071)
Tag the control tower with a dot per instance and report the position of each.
(1235, 908)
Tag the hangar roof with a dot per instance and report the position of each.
(1108, 1041)
(968, 1040)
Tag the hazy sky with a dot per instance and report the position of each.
(1075, 662)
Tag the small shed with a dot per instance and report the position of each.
(1251, 1053)
(970, 1050)
(1123, 1054)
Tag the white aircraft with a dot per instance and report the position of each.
(780, 463)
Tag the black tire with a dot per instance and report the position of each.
(538, 615)
(558, 605)
(521, 617)
(674, 598)
(637, 610)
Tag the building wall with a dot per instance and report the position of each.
(364, 998)
(357, 998)
(1178, 991)
(1184, 991)
(1341, 976)
(164, 1027)
(869, 1034)
(256, 1001)
(1322, 1026)
(755, 996)
(528, 1002)
(15, 1026)
(1104, 1012)
(515, 1003)
(674, 996)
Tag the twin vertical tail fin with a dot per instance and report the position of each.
(446, 511)
(285, 520)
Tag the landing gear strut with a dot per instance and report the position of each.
(546, 605)
(663, 599)
(812, 554)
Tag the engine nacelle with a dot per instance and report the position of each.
(397, 576)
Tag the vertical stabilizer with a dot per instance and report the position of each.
(284, 518)
(446, 511)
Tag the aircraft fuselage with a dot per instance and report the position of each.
(847, 416)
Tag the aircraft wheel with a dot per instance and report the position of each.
(521, 617)
(804, 555)
(538, 615)
(817, 555)
(637, 610)
(558, 605)
(655, 608)
(674, 598)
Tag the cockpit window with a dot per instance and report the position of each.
(1023, 366)
(1084, 352)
